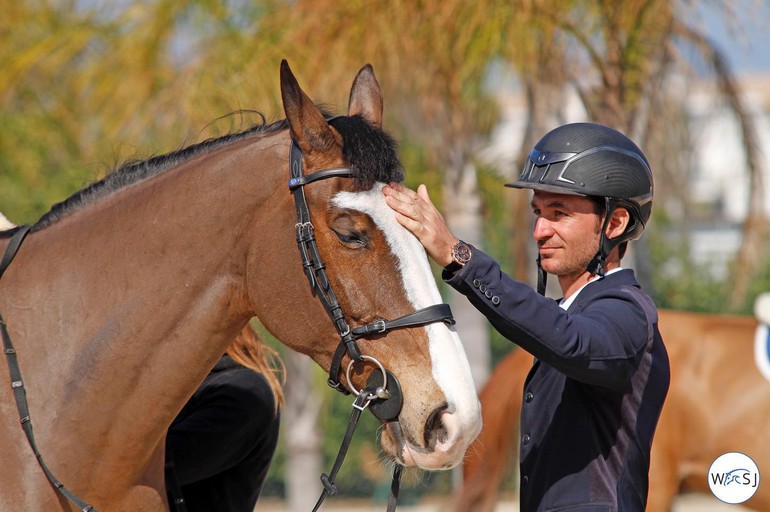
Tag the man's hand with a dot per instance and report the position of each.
(416, 212)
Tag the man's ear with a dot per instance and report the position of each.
(619, 222)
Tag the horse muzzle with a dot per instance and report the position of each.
(445, 437)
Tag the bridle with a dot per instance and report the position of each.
(382, 390)
(382, 393)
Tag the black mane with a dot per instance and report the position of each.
(370, 150)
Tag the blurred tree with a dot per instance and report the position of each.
(621, 59)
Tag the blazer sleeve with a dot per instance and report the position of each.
(601, 345)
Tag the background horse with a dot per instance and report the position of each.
(146, 276)
(718, 402)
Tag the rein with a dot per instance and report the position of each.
(386, 402)
(17, 384)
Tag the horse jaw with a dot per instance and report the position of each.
(455, 422)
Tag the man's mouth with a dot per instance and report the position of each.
(548, 250)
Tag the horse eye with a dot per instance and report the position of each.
(353, 239)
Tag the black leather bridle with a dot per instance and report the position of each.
(385, 401)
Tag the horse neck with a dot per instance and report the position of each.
(142, 291)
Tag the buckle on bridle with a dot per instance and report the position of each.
(334, 384)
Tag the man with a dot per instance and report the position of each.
(601, 373)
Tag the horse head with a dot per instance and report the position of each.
(373, 271)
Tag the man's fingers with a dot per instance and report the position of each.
(410, 224)
(422, 192)
(403, 201)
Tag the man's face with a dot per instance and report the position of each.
(566, 231)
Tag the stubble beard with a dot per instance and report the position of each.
(572, 265)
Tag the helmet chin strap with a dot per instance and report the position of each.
(542, 277)
(606, 245)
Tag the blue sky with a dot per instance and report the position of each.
(746, 43)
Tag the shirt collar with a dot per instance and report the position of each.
(566, 303)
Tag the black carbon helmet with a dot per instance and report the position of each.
(591, 159)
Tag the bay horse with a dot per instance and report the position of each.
(123, 297)
(718, 402)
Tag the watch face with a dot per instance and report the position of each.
(462, 252)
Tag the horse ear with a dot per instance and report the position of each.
(306, 121)
(366, 97)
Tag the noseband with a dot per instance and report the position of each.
(385, 401)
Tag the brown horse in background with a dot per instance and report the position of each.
(124, 296)
(718, 402)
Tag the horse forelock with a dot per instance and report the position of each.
(370, 150)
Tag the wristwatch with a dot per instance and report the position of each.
(461, 254)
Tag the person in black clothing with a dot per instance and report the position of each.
(219, 447)
(601, 373)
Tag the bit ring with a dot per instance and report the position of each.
(373, 360)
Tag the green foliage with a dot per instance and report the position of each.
(760, 284)
(681, 282)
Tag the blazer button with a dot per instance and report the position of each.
(483, 288)
(495, 300)
(524, 480)
(528, 397)
(488, 294)
(476, 283)
(525, 439)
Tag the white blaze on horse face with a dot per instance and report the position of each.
(450, 367)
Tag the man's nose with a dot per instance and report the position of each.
(542, 229)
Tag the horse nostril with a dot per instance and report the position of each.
(435, 430)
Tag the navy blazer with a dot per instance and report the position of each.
(595, 391)
(223, 440)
